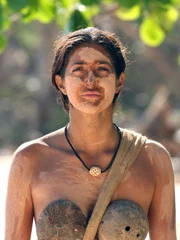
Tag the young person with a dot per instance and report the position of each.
(57, 178)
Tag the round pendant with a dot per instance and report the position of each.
(95, 171)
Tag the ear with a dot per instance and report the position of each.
(60, 84)
(120, 82)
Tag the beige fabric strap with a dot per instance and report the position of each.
(131, 144)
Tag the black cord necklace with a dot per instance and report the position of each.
(95, 171)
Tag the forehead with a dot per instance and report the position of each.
(89, 53)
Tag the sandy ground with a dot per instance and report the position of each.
(4, 168)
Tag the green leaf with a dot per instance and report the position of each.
(4, 2)
(3, 42)
(76, 21)
(151, 33)
(167, 17)
(89, 12)
(128, 3)
(1, 16)
(169, 2)
(129, 14)
(4, 20)
(28, 14)
(62, 16)
(172, 14)
(34, 4)
(16, 6)
(165, 1)
(44, 12)
(67, 3)
(176, 2)
(109, 1)
(90, 2)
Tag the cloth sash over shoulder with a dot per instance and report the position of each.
(131, 144)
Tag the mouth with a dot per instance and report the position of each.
(91, 94)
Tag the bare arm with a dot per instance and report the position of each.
(19, 206)
(162, 209)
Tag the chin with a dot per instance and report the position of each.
(92, 108)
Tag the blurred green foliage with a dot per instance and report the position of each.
(155, 18)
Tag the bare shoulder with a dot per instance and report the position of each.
(157, 150)
(160, 158)
(29, 149)
(35, 147)
(30, 152)
(24, 161)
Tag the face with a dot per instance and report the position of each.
(90, 80)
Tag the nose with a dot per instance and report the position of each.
(90, 77)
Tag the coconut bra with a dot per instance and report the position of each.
(63, 220)
(119, 220)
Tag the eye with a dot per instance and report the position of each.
(78, 69)
(103, 69)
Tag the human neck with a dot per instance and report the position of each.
(92, 132)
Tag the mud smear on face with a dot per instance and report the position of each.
(89, 56)
(83, 92)
(90, 79)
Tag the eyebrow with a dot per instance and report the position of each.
(78, 63)
(103, 62)
(97, 61)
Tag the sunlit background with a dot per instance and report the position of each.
(150, 102)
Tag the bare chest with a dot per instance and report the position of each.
(67, 178)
